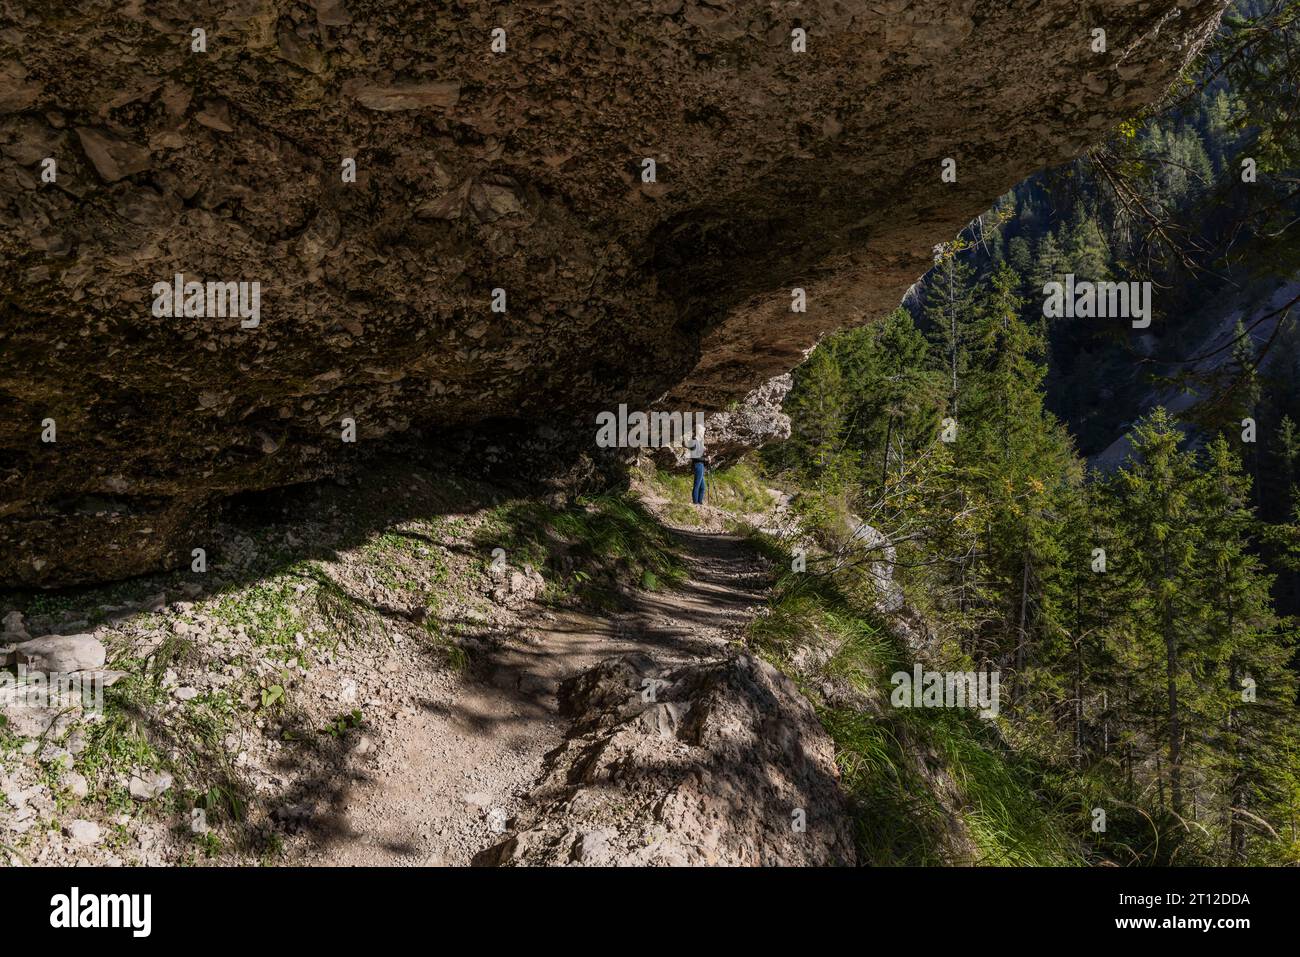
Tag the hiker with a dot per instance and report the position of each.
(696, 445)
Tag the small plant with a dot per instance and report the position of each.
(272, 694)
(209, 843)
(343, 723)
(221, 802)
(272, 848)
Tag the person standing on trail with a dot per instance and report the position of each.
(696, 445)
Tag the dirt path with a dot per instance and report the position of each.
(457, 768)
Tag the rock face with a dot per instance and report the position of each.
(726, 765)
(133, 150)
(754, 422)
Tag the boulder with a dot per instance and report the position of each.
(82, 832)
(514, 588)
(112, 157)
(62, 653)
(749, 424)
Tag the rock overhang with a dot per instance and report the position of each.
(476, 171)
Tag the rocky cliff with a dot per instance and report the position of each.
(500, 156)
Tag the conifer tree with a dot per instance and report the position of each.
(817, 410)
(949, 308)
(1162, 538)
(1243, 638)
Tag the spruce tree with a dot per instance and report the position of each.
(1162, 538)
(949, 308)
(1251, 732)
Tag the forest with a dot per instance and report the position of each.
(1140, 606)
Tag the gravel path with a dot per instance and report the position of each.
(456, 768)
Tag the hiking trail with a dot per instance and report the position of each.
(462, 763)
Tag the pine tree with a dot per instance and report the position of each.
(1050, 264)
(1019, 255)
(949, 308)
(1158, 516)
(816, 407)
(1245, 392)
(1086, 248)
(1245, 639)
(911, 395)
(1019, 462)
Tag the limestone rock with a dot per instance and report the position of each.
(76, 784)
(409, 96)
(147, 786)
(752, 423)
(775, 171)
(113, 157)
(869, 543)
(62, 653)
(82, 832)
(514, 588)
(731, 768)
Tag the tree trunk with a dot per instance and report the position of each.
(884, 466)
(1175, 730)
(1078, 673)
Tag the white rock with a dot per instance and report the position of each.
(76, 784)
(62, 653)
(146, 787)
(37, 722)
(83, 832)
(593, 846)
(105, 677)
(51, 754)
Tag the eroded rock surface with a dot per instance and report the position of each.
(755, 421)
(475, 171)
(727, 764)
